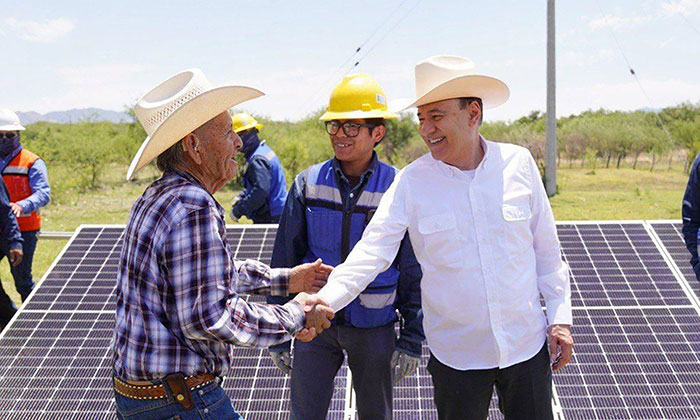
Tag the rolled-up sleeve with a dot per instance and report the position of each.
(202, 282)
(552, 272)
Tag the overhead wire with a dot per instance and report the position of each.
(639, 83)
(384, 36)
(341, 68)
(685, 18)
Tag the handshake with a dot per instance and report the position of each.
(311, 277)
(318, 315)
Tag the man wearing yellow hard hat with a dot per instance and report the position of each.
(265, 190)
(326, 212)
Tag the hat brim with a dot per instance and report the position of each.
(492, 91)
(358, 115)
(256, 126)
(12, 128)
(187, 118)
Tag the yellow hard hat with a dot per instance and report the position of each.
(357, 96)
(243, 122)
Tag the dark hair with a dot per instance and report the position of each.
(376, 122)
(171, 158)
(465, 102)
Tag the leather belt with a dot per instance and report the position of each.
(156, 391)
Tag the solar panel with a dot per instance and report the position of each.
(669, 233)
(55, 360)
(636, 331)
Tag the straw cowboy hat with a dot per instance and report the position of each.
(177, 107)
(447, 77)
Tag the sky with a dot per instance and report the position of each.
(80, 54)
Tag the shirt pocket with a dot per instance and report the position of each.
(324, 229)
(516, 227)
(441, 244)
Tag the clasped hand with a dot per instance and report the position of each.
(318, 316)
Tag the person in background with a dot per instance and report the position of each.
(691, 215)
(265, 191)
(10, 245)
(27, 181)
(325, 215)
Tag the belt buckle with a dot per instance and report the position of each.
(179, 389)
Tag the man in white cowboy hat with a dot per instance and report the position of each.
(484, 234)
(328, 207)
(178, 312)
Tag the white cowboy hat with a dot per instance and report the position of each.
(177, 107)
(9, 121)
(447, 77)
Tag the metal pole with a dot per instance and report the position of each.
(550, 171)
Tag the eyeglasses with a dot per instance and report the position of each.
(350, 129)
(8, 135)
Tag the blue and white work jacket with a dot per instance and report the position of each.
(324, 218)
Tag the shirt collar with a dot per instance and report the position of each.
(454, 170)
(335, 163)
(191, 179)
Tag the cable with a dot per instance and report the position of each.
(340, 68)
(384, 36)
(639, 83)
(685, 18)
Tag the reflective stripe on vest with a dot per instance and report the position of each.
(324, 220)
(16, 178)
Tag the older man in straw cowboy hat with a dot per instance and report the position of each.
(178, 313)
(483, 231)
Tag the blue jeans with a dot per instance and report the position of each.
(210, 403)
(316, 363)
(24, 283)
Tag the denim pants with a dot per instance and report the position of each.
(316, 363)
(211, 403)
(22, 274)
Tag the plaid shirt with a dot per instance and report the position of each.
(177, 303)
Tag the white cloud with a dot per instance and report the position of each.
(618, 22)
(48, 30)
(684, 7)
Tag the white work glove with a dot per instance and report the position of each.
(233, 204)
(403, 365)
(283, 361)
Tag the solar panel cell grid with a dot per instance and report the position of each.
(670, 235)
(637, 336)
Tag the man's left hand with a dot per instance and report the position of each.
(15, 256)
(561, 345)
(16, 209)
(403, 365)
(309, 277)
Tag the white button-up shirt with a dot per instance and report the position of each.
(488, 248)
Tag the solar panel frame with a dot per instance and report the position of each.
(93, 361)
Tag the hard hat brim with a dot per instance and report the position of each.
(358, 115)
(257, 126)
(13, 127)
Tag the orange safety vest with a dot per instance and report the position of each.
(16, 177)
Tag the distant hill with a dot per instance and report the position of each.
(74, 115)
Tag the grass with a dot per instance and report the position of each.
(603, 194)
